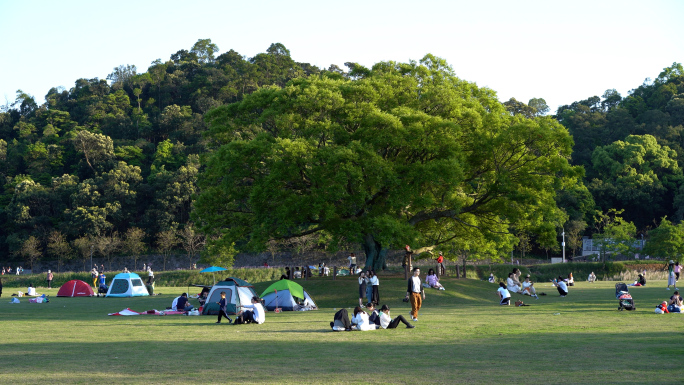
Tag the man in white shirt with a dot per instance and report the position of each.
(256, 315)
(415, 293)
(562, 287)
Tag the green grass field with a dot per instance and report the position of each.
(462, 336)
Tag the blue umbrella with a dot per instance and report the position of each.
(213, 269)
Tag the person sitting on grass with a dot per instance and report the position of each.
(592, 277)
(491, 278)
(341, 321)
(360, 320)
(432, 280)
(511, 285)
(571, 280)
(256, 315)
(373, 316)
(641, 281)
(504, 294)
(182, 304)
(676, 304)
(386, 321)
(528, 288)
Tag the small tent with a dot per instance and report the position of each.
(287, 295)
(238, 292)
(75, 288)
(127, 285)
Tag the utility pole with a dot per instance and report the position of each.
(563, 245)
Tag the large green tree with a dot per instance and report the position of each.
(401, 153)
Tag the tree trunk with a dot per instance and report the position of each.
(375, 254)
(464, 267)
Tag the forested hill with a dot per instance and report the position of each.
(111, 164)
(111, 155)
(632, 148)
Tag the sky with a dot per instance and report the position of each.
(560, 51)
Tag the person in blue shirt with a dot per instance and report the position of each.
(223, 303)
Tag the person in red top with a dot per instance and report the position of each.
(440, 261)
(662, 307)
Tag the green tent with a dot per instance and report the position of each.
(287, 295)
(285, 284)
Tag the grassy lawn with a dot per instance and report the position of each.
(462, 336)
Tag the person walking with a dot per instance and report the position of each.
(150, 276)
(50, 276)
(416, 293)
(223, 303)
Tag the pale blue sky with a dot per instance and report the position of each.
(560, 51)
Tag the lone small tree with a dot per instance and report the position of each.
(192, 242)
(133, 244)
(59, 247)
(166, 241)
(31, 250)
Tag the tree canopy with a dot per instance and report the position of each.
(403, 153)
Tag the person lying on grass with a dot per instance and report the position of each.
(662, 308)
(504, 294)
(386, 321)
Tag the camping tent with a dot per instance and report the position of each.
(127, 285)
(287, 295)
(238, 292)
(75, 288)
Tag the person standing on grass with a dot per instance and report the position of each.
(369, 286)
(352, 263)
(50, 276)
(223, 305)
(362, 287)
(440, 264)
(671, 276)
(375, 282)
(0, 287)
(94, 275)
(150, 276)
(386, 321)
(677, 269)
(416, 293)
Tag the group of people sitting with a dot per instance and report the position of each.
(370, 320)
(674, 305)
(514, 285)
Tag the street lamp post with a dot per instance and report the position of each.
(91, 257)
(563, 234)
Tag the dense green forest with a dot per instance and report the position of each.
(112, 165)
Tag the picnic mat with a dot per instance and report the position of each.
(128, 311)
